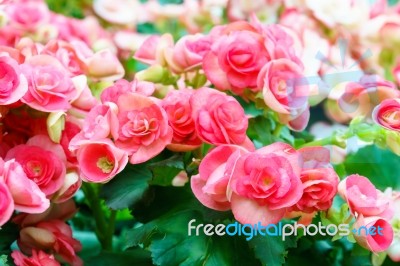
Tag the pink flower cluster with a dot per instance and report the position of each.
(267, 184)
(371, 207)
(249, 59)
(131, 125)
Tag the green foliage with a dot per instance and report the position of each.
(380, 166)
(165, 171)
(126, 188)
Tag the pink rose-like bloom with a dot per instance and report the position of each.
(112, 93)
(378, 242)
(155, 50)
(42, 161)
(70, 131)
(13, 84)
(364, 199)
(319, 182)
(219, 118)
(101, 122)
(190, 50)
(143, 127)
(387, 114)
(38, 258)
(6, 203)
(351, 99)
(285, 92)
(265, 183)
(124, 12)
(28, 15)
(26, 194)
(178, 108)
(55, 236)
(210, 186)
(99, 160)
(105, 66)
(236, 58)
(69, 56)
(50, 88)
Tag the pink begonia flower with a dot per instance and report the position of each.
(265, 183)
(394, 249)
(350, 99)
(70, 131)
(364, 199)
(210, 186)
(50, 87)
(38, 258)
(13, 84)
(320, 183)
(99, 160)
(124, 12)
(26, 194)
(143, 127)
(53, 235)
(219, 118)
(43, 161)
(179, 111)
(189, 51)
(28, 15)
(72, 183)
(286, 91)
(387, 114)
(105, 66)
(6, 203)
(378, 241)
(112, 93)
(155, 49)
(60, 211)
(236, 58)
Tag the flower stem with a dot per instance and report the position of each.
(277, 130)
(104, 230)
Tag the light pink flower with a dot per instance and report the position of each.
(190, 50)
(387, 114)
(210, 186)
(124, 12)
(155, 49)
(219, 118)
(285, 91)
(112, 93)
(143, 127)
(38, 258)
(28, 15)
(6, 203)
(72, 183)
(26, 193)
(99, 160)
(350, 99)
(380, 240)
(265, 183)
(105, 66)
(55, 236)
(43, 162)
(13, 84)
(50, 88)
(364, 199)
(236, 58)
(179, 111)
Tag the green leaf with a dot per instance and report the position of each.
(271, 250)
(127, 258)
(165, 232)
(126, 188)
(165, 171)
(8, 234)
(380, 166)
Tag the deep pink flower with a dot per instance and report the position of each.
(38, 258)
(13, 84)
(179, 111)
(265, 183)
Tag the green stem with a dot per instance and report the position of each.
(104, 231)
(331, 140)
(277, 130)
